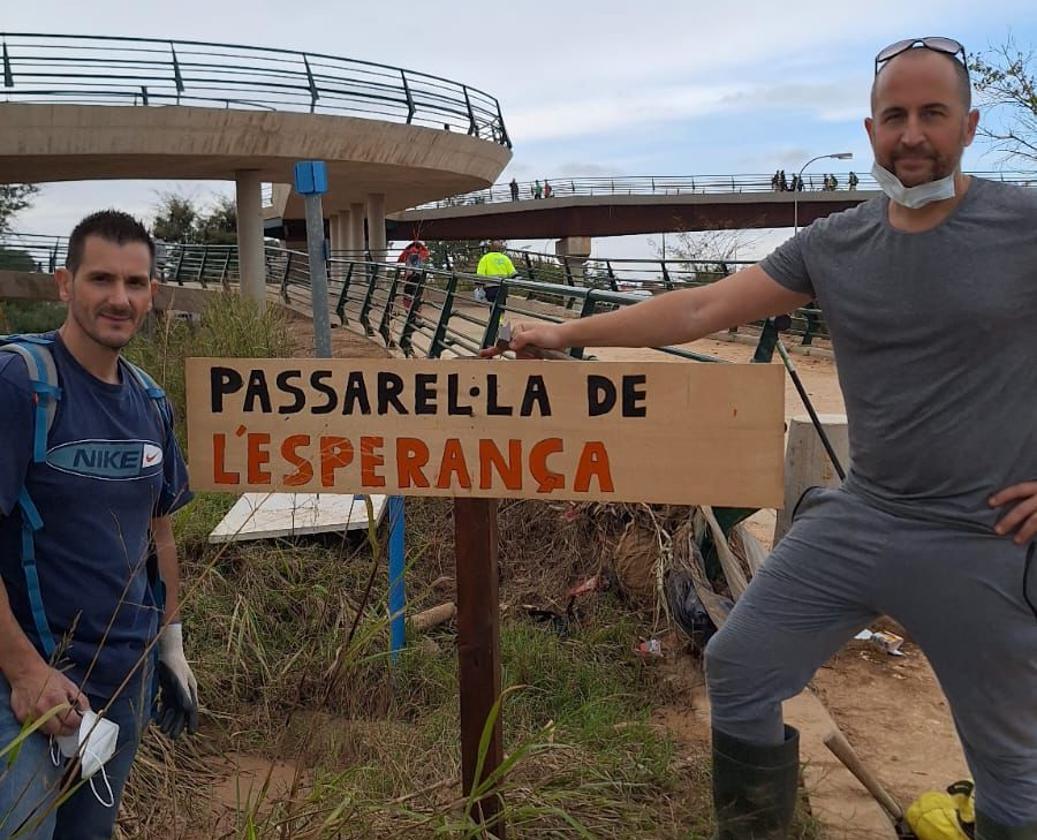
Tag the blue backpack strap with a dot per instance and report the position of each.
(31, 523)
(155, 582)
(43, 379)
(154, 391)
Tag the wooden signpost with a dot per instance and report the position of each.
(659, 432)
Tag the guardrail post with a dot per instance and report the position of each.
(410, 100)
(179, 265)
(611, 275)
(530, 273)
(413, 317)
(178, 79)
(284, 277)
(8, 75)
(343, 298)
(438, 339)
(569, 301)
(811, 328)
(500, 301)
(54, 258)
(383, 325)
(201, 267)
(314, 94)
(365, 310)
(225, 274)
(503, 130)
(667, 282)
(473, 129)
(588, 309)
(144, 93)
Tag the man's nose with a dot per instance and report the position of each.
(118, 295)
(913, 135)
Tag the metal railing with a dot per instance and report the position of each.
(370, 291)
(88, 70)
(679, 185)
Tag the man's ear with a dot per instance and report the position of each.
(970, 126)
(868, 123)
(64, 280)
(154, 294)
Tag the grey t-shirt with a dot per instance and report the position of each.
(935, 338)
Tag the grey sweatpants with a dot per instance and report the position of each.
(966, 597)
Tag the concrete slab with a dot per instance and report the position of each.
(260, 516)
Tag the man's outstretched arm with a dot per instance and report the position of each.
(672, 318)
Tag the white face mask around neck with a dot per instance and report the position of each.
(912, 197)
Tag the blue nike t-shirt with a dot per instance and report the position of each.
(112, 465)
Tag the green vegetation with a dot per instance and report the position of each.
(13, 199)
(19, 316)
(180, 218)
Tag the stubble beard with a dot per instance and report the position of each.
(88, 325)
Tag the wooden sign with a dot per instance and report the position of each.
(668, 432)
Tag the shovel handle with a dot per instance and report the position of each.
(841, 749)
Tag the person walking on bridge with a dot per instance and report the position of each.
(935, 524)
(90, 472)
(514, 190)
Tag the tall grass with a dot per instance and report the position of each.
(230, 327)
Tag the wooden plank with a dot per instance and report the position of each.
(663, 432)
(478, 647)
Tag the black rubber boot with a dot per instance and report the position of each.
(987, 829)
(754, 787)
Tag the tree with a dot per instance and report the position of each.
(704, 254)
(460, 255)
(175, 218)
(1006, 78)
(13, 199)
(179, 218)
(219, 226)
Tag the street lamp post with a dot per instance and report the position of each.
(799, 180)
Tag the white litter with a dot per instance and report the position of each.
(882, 639)
(259, 516)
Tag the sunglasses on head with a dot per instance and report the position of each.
(947, 46)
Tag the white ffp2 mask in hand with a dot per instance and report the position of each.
(94, 744)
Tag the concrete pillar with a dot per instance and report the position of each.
(807, 463)
(376, 225)
(575, 250)
(251, 264)
(337, 232)
(356, 229)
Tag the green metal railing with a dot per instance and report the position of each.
(378, 296)
(147, 72)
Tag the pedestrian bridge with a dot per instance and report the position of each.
(613, 206)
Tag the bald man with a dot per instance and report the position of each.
(930, 293)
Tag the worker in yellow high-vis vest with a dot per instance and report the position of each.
(496, 265)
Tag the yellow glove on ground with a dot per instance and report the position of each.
(937, 815)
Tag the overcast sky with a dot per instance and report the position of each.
(603, 87)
